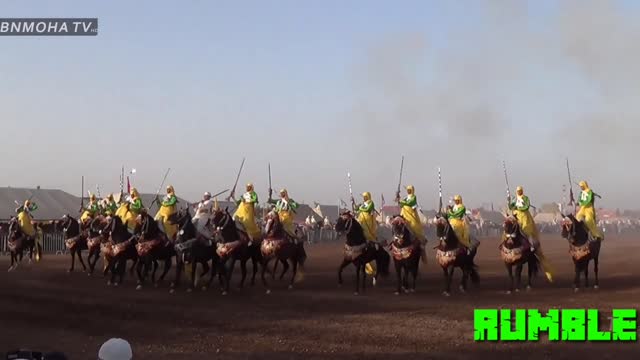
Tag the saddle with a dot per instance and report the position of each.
(120, 247)
(402, 253)
(94, 242)
(143, 248)
(513, 255)
(447, 257)
(229, 248)
(353, 252)
(271, 246)
(107, 249)
(72, 242)
(15, 243)
(579, 252)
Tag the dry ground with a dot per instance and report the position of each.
(43, 307)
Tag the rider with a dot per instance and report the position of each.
(204, 213)
(25, 220)
(286, 208)
(367, 221)
(109, 206)
(456, 216)
(167, 208)
(245, 214)
(409, 212)
(520, 208)
(587, 213)
(366, 217)
(134, 208)
(91, 210)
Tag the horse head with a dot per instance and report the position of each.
(14, 228)
(399, 229)
(272, 222)
(511, 228)
(344, 223)
(573, 230)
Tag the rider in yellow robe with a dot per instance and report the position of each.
(409, 212)
(109, 206)
(587, 212)
(456, 216)
(520, 208)
(286, 208)
(245, 214)
(167, 208)
(91, 210)
(366, 219)
(24, 218)
(130, 209)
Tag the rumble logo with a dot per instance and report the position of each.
(560, 325)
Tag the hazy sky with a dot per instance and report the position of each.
(320, 88)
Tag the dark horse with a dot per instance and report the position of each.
(278, 245)
(119, 249)
(17, 242)
(582, 249)
(234, 244)
(358, 252)
(191, 248)
(405, 249)
(515, 250)
(152, 245)
(74, 239)
(450, 254)
(96, 237)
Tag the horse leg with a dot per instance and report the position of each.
(243, 271)
(576, 279)
(398, 277)
(265, 264)
(255, 261)
(285, 268)
(340, 268)
(511, 283)
(228, 274)
(595, 271)
(295, 271)
(73, 260)
(275, 268)
(84, 268)
(586, 274)
(194, 268)
(530, 273)
(364, 277)
(176, 281)
(519, 276)
(358, 270)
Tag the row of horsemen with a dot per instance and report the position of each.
(129, 207)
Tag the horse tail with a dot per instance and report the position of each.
(534, 264)
(302, 254)
(382, 262)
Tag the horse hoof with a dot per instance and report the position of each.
(189, 290)
(115, 284)
(356, 293)
(89, 274)
(575, 290)
(268, 292)
(290, 287)
(108, 283)
(412, 291)
(172, 285)
(139, 287)
(224, 293)
(528, 288)
(156, 285)
(462, 290)
(204, 288)
(446, 293)
(172, 291)
(508, 292)
(374, 281)
(70, 270)
(596, 287)
(396, 293)
(10, 269)
(517, 290)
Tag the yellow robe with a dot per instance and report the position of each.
(529, 228)
(413, 221)
(369, 225)
(24, 220)
(461, 228)
(163, 214)
(286, 219)
(127, 217)
(587, 215)
(245, 214)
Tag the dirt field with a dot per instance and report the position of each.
(42, 307)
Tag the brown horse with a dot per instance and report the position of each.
(75, 239)
(515, 250)
(119, 249)
(358, 252)
(405, 249)
(581, 249)
(450, 254)
(277, 244)
(152, 245)
(17, 242)
(95, 238)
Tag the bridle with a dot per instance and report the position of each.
(443, 221)
(398, 228)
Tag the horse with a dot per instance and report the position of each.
(74, 239)
(152, 245)
(95, 238)
(515, 250)
(17, 242)
(278, 245)
(358, 252)
(405, 248)
(581, 249)
(118, 250)
(192, 249)
(450, 254)
(233, 244)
